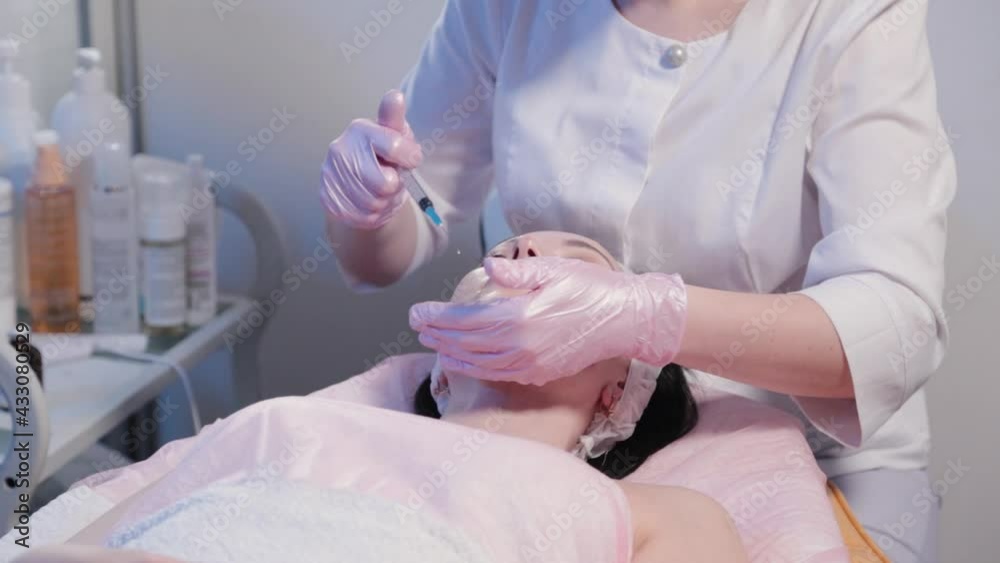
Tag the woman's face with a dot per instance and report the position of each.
(476, 286)
(597, 382)
(554, 243)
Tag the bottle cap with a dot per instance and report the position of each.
(89, 75)
(161, 210)
(88, 58)
(46, 138)
(6, 196)
(49, 167)
(201, 178)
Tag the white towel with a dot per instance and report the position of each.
(249, 521)
(58, 520)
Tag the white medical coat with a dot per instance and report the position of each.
(801, 150)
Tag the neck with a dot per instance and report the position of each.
(520, 412)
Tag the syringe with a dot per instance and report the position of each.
(414, 185)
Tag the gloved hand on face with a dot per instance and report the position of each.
(564, 310)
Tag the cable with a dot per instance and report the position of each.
(150, 358)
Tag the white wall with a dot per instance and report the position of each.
(228, 73)
(963, 396)
(226, 76)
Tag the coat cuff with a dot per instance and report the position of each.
(865, 322)
(427, 244)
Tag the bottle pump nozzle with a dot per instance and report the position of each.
(15, 90)
(8, 52)
(88, 58)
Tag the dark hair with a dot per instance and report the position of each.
(670, 415)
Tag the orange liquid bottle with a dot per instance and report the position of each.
(51, 233)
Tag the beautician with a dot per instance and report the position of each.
(774, 174)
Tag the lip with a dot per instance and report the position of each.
(477, 287)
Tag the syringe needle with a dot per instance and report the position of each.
(414, 185)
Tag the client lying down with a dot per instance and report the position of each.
(499, 478)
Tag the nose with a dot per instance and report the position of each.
(524, 247)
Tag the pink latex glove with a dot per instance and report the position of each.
(575, 315)
(360, 184)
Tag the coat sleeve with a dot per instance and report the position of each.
(450, 93)
(884, 173)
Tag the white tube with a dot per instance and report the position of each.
(164, 283)
(18, 123)
(202, 274)
(86, 117)
(8, 293)
(114, 242)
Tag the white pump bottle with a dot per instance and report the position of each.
(86, 118)
(18, 123)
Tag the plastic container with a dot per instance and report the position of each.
(8, 291)
(50, 225)
(114, 236)
(202, 273)
(18, 123)
(163, 255)
(86, 118)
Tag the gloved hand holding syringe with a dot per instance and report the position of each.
(370, 169)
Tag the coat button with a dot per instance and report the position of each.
(675, 56)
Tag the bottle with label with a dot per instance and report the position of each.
(50, 226)
(202, 275)
(86, 118)
(18, 122)
(8, 293)
(114, 235)
(163, 256)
